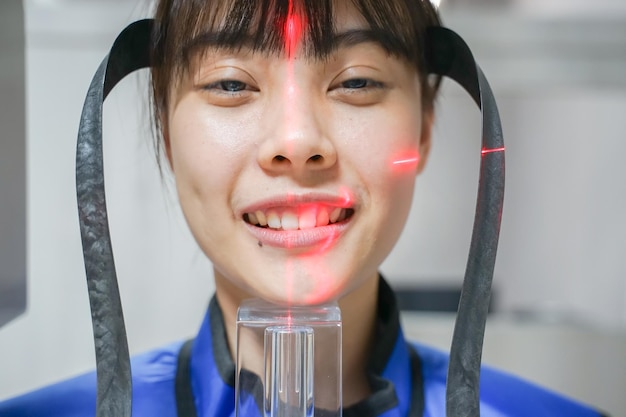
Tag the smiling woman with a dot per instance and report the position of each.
(295, 131)
(291, 127)
(301, 142)
(260, 98)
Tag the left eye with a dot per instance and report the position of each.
(231, 86)
(356, 83)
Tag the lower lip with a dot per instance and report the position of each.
(324, 236)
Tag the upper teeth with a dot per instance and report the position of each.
(303, 218)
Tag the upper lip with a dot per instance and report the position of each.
(296, 200)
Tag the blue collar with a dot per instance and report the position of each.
(394, 369)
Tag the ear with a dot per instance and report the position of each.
(428, 119)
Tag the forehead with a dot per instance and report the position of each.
(346, 16)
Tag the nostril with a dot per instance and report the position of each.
(316, 158)
(279, 158)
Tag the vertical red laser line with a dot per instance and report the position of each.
(292, 33)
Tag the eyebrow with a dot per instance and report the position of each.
(358, 36)
(232, 40)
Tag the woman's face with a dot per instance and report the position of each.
(296, 175)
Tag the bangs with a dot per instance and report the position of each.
(186, 26)
(262, 25)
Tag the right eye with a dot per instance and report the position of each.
(356, 83)
(228, 92)
(228, 86)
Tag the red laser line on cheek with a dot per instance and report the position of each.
(408, 161)
(405, 162)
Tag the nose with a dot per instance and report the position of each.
(296, 141)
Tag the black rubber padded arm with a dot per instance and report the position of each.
(448, 55)
(114, 392)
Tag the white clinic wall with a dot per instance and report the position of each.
(563, 232)
(561, 92)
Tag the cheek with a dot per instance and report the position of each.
(191, 132)
(207, 150)
(384, 146)
(388, 161)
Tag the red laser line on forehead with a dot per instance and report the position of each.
(292, 33)
(294, 27)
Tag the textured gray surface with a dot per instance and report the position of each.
(114, 390)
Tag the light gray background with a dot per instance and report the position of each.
(558, 73)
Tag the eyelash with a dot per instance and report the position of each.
(228, 87)
(360, 91)
(360, 84)
(235, 86)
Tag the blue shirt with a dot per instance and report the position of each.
(407, 379)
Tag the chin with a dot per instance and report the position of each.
(302, 291)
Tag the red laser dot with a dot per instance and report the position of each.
(346, 196)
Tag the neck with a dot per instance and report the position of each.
(358, 312)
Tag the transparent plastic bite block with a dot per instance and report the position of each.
(288, 360)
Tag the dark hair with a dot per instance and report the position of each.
(183, 25)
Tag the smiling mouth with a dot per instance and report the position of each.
(301, 218)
